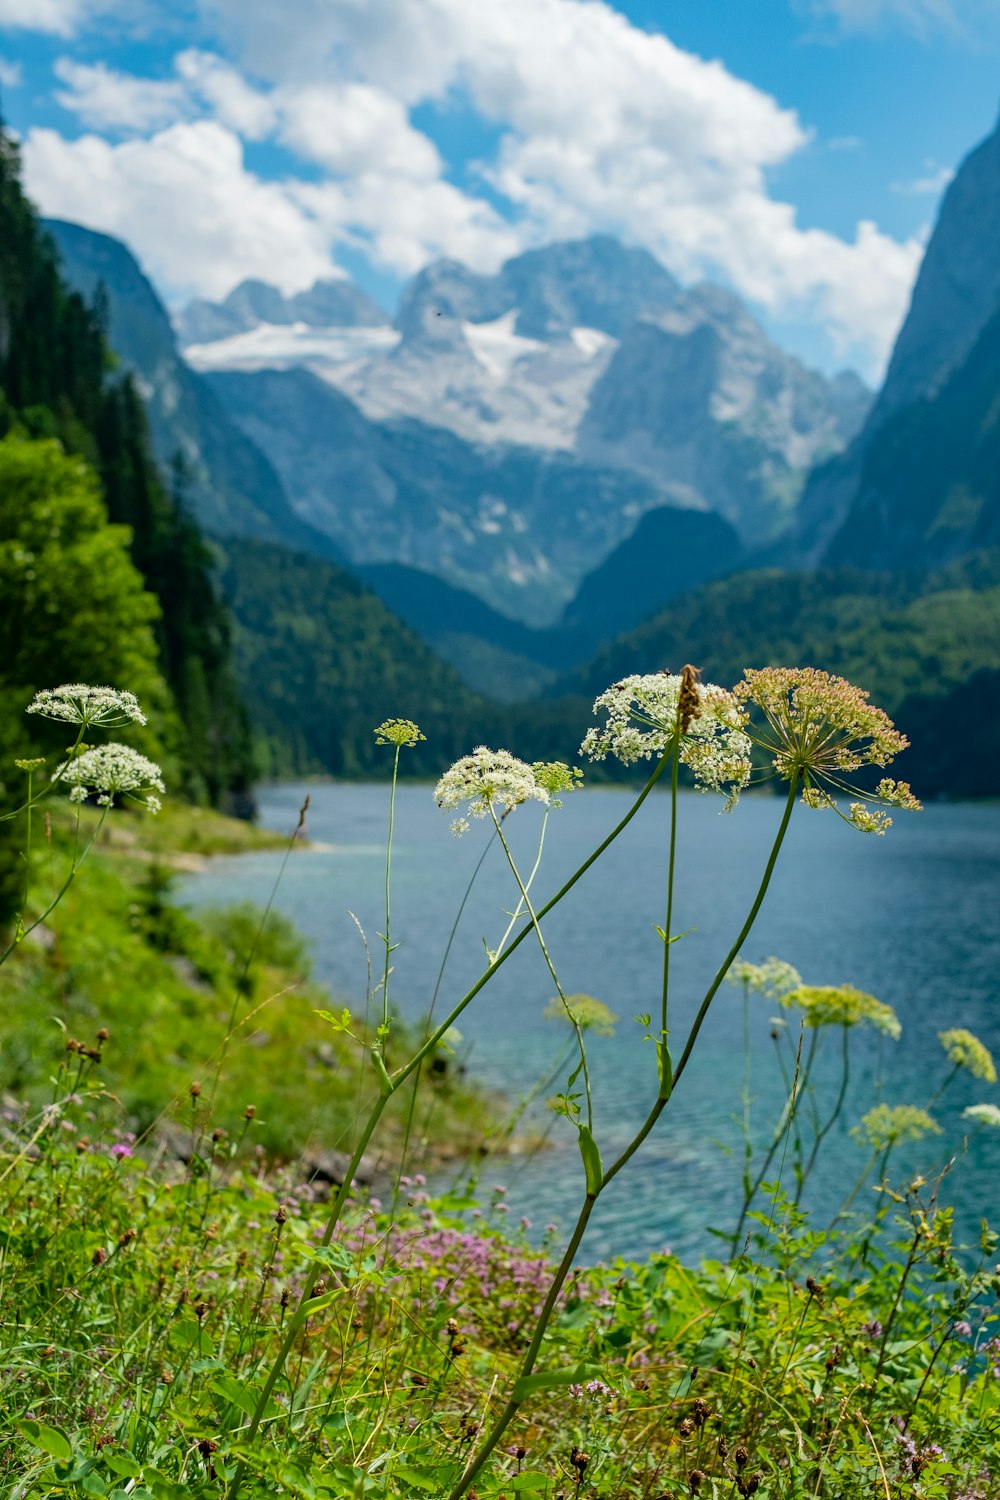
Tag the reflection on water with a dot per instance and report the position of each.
(912, 918)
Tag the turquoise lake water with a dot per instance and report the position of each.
(913, 918)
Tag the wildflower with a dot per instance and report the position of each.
(120, 1149)
(644, 713)
(554, 776)
(967, 1051)
(109, 770)
(76, 703)
(840, 1005)
(887, 1125)
(485, 780)
(398, 732)
(982, 1114)
(588, 1013)
(822, 729)
(773, 978)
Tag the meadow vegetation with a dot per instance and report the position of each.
(185, 1313)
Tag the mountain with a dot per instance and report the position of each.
(518, 526)
(227, 482)
(699, 396)
(593, 350)
(916, 486)
(670, 552)
(333, 302)
(917, 642)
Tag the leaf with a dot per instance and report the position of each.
(339, 1022)
(550, 1379)
(665, 1064)
(592, 1164)
(122, 1463)
(51, 1440)
(421, 1479)
(528, 1482)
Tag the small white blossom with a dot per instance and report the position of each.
(983, 1114)
(487, 779)
(76, 703)
(108, 770)
(643, 715)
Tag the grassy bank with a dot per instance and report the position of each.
(222, 1000)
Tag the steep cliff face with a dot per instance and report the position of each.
(228, 482)
(701, 397)
(915, 486)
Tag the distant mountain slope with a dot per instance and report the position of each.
(917, 643)
(322, 661)
(861, 506)
(336, 301)
(517, 526)
(670, 552)
(228, 482)
(591, 348)
(699, 396)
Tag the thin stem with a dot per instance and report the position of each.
(528, 1363)
(721, 973)
(577, 1029)
(668, 924)
(388, 878)
(312, 1275)
(835, 1115)
(501, 958)
(78, 859)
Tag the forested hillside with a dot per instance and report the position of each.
(104, 575)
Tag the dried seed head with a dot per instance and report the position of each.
(688, 705)
(695, 1478)
(741, 1457)
(281, 1216)
(103, 1035)
(99, 1257)
(195, 1090)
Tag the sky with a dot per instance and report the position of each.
(794, 150)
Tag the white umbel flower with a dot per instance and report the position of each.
(643, 714)
(108, 770)
(487, 779)
(76, 703)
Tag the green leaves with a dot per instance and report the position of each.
(51, 1440)
(592, 1164)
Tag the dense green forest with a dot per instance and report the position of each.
(927, 648)
(58, 383)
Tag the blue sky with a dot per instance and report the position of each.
(795, 150)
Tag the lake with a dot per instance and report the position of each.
(911, 918)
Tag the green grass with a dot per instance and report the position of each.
(142, 1306)
(218, 999)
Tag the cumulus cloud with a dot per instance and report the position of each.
(58, 17)
(606, 127)
(186, 204)
(107, 100)
(10, 74)
(602, 127)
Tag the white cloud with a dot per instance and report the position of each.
(185, 203)
(965, 21)
(606, 127)
(845, 143)
(248, 111)
(58, 17)
(10, 74)
(932, 183)
(107, 100)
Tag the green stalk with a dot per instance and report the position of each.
(721, 973)
(514, 1405)
(388, 878)
(667, 929)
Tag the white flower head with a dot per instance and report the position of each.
(645, 712)
(108, 770)
(983, 1114)
(485, 780)
(76, 703)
